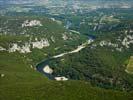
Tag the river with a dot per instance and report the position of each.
(40, 67)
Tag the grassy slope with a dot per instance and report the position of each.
(23, 83)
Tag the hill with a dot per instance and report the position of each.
(22, 82)
(36, 37)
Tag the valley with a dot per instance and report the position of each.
(44, 68)
(66, 50)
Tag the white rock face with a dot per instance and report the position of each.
(64, 37)
(121, 43)
(61, 78)
(31, 67)
(124, 40)
(108, 43)
(2, 75)
(14, 48)
(24, 49)
(40, 44)
(47, 70)
(89, 41)
(31, 23)
(2, 49)
(127, 41)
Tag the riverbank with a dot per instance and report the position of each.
(42, 66)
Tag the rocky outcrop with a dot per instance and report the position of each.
(61, 78)
(48, 70)
(31, 23)
(2, 75)
(26, 47)
(2, 49)
(40, 44)
(64, 37)
(127, 41)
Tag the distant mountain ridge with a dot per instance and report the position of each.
(69, 3)
(45, 1)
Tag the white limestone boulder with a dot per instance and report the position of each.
(48, 70)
